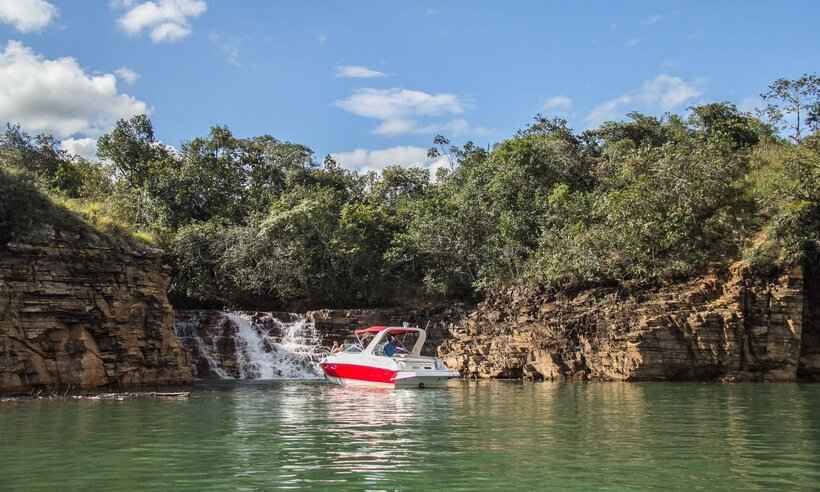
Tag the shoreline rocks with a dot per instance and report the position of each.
(725, 326)
(139, 395)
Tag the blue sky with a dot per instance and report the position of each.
(372, 82)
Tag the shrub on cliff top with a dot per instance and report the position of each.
(22, 207)
(28, 212)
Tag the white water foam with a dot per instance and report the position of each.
(259, 356)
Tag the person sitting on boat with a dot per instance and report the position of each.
(390, 347)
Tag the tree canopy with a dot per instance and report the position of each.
(257, 222)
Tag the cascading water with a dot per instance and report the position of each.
(238, 346)
(254, 361)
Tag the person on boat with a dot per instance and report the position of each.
(390, 347)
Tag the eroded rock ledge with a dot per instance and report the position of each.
(727, 326)
(78, 314)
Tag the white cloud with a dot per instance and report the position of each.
(441, 162)
(167, 20)
(558, 104)
(58, 96)
(322, 38)
(83, 147)
(357, 72)
(396, 126)
(364, 160)
(127, 75)
(168, 32)
(27, 15)
(376, 160)
(664, 92)
(399, 111)
(453, 128)
(384, 104)
(668, 92)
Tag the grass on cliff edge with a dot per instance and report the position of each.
(27, 210)
(98, 215)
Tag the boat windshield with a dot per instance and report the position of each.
(356, 344)
(352, 348)
(402, 344)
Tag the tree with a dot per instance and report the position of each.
(40, 155)
(813, 117)
(790, 104)
(399, 182)
(131, 147)
(723, 120)
(440, 148)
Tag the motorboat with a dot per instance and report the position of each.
(379, 357)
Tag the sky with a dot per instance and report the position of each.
(372, 82)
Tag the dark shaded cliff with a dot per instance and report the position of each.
(729, 325)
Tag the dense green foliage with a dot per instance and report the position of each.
(258, 222)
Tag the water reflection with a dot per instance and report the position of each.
(472, 435)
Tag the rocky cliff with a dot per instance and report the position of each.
(78, 311)
(728, 325)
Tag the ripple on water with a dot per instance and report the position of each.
(489, 435)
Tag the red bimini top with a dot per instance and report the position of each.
(393, 329)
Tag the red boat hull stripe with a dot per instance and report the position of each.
(362, 373)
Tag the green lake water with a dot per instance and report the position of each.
(470, 436)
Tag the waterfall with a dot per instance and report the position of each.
(254, 361)
(232, 345)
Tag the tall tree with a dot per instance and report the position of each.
(793, 104)
(131, 147)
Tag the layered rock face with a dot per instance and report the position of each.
(728, 325)
(79, 313)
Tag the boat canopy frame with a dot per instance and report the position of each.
(381, 332)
